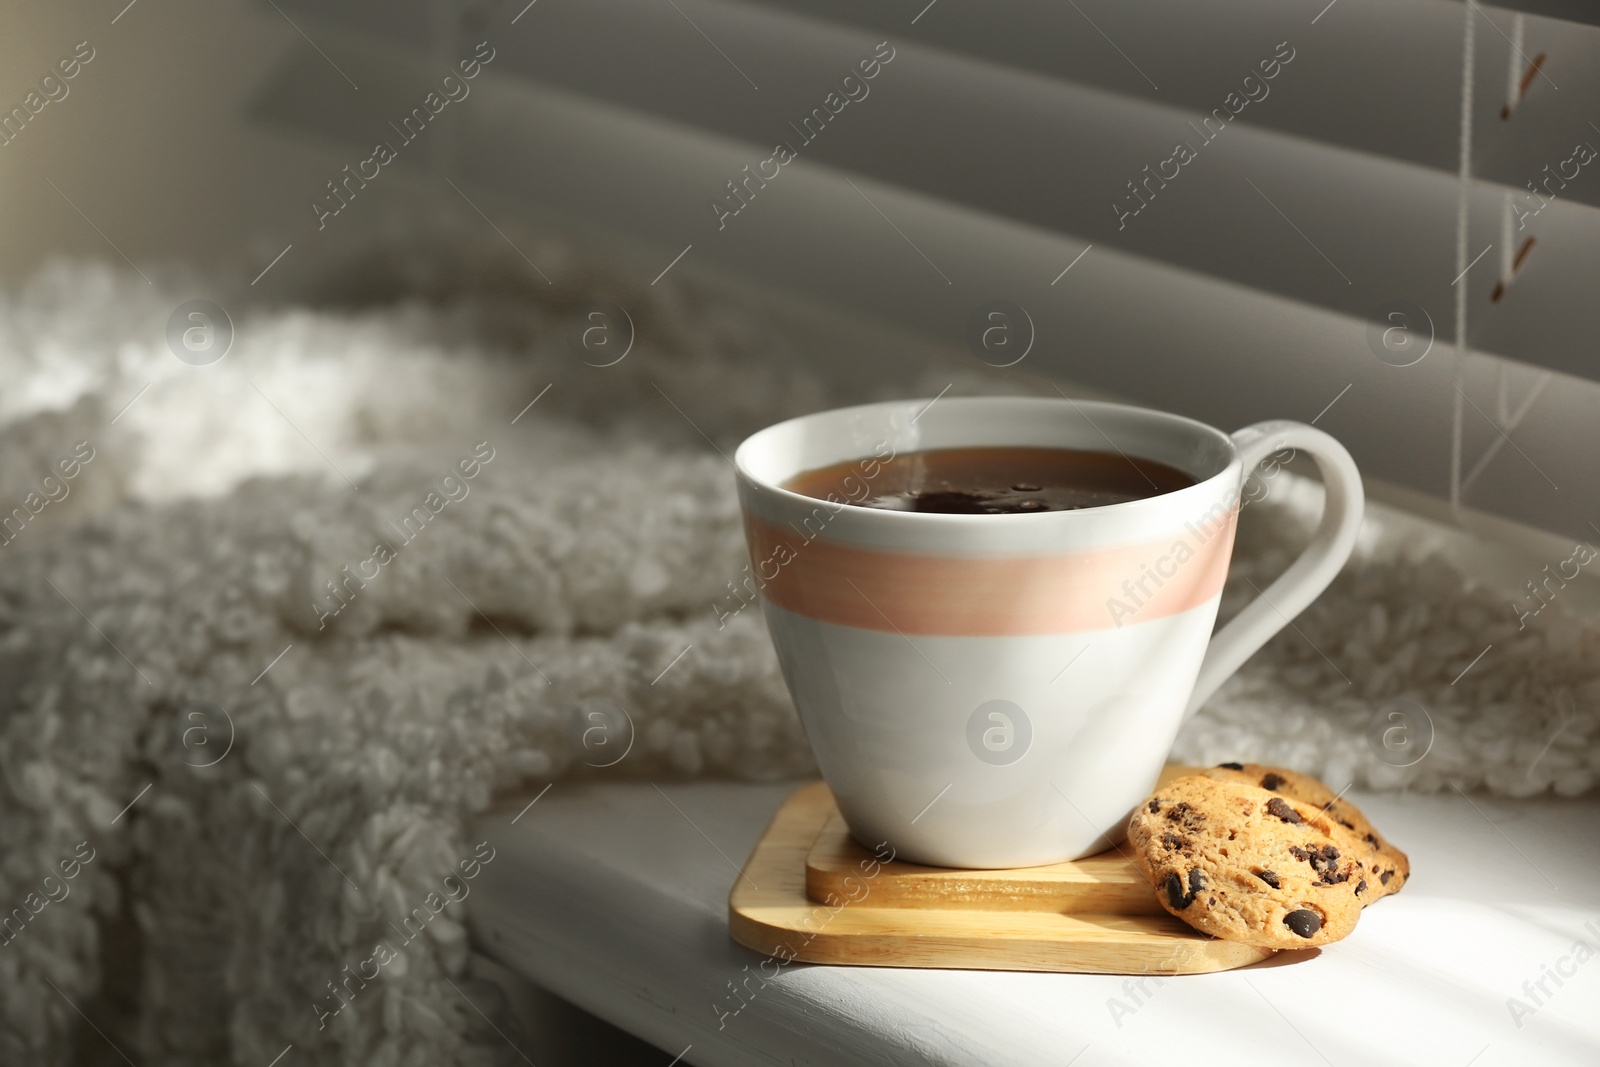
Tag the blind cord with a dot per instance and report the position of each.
(1463, 213)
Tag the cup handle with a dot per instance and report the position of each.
(1309, 575)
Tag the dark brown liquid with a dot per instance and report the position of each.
(991, 481)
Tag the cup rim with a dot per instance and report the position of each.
(1201, 487)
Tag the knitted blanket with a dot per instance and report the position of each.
(298, 614)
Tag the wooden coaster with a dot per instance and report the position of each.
(1095, 915)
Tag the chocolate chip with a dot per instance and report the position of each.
(1176, 841)
(1282, 810)
(1211, 900)
(1197, 881)
(1268, 877)
(1361, 887)
(1332, 877)
(1232, 766)
(1303, 922)
(1372, 840)
(1154, 807)
(1324, 861)
(1186, 815)
(1272, 782)
(1347, 824)
(1385, 876)
(1175, 894)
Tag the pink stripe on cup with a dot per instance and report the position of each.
(1095, 589)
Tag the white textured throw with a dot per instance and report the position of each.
(227, 784)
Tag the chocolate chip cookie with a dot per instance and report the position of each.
(1247, 864)
(1386, 867)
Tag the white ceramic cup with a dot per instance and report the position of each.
(994, 691)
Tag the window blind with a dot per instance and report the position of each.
(1238, 210)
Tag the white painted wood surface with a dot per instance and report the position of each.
(614, 896)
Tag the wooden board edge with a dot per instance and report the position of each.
(791, 940)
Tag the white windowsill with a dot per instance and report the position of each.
(609, 897)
